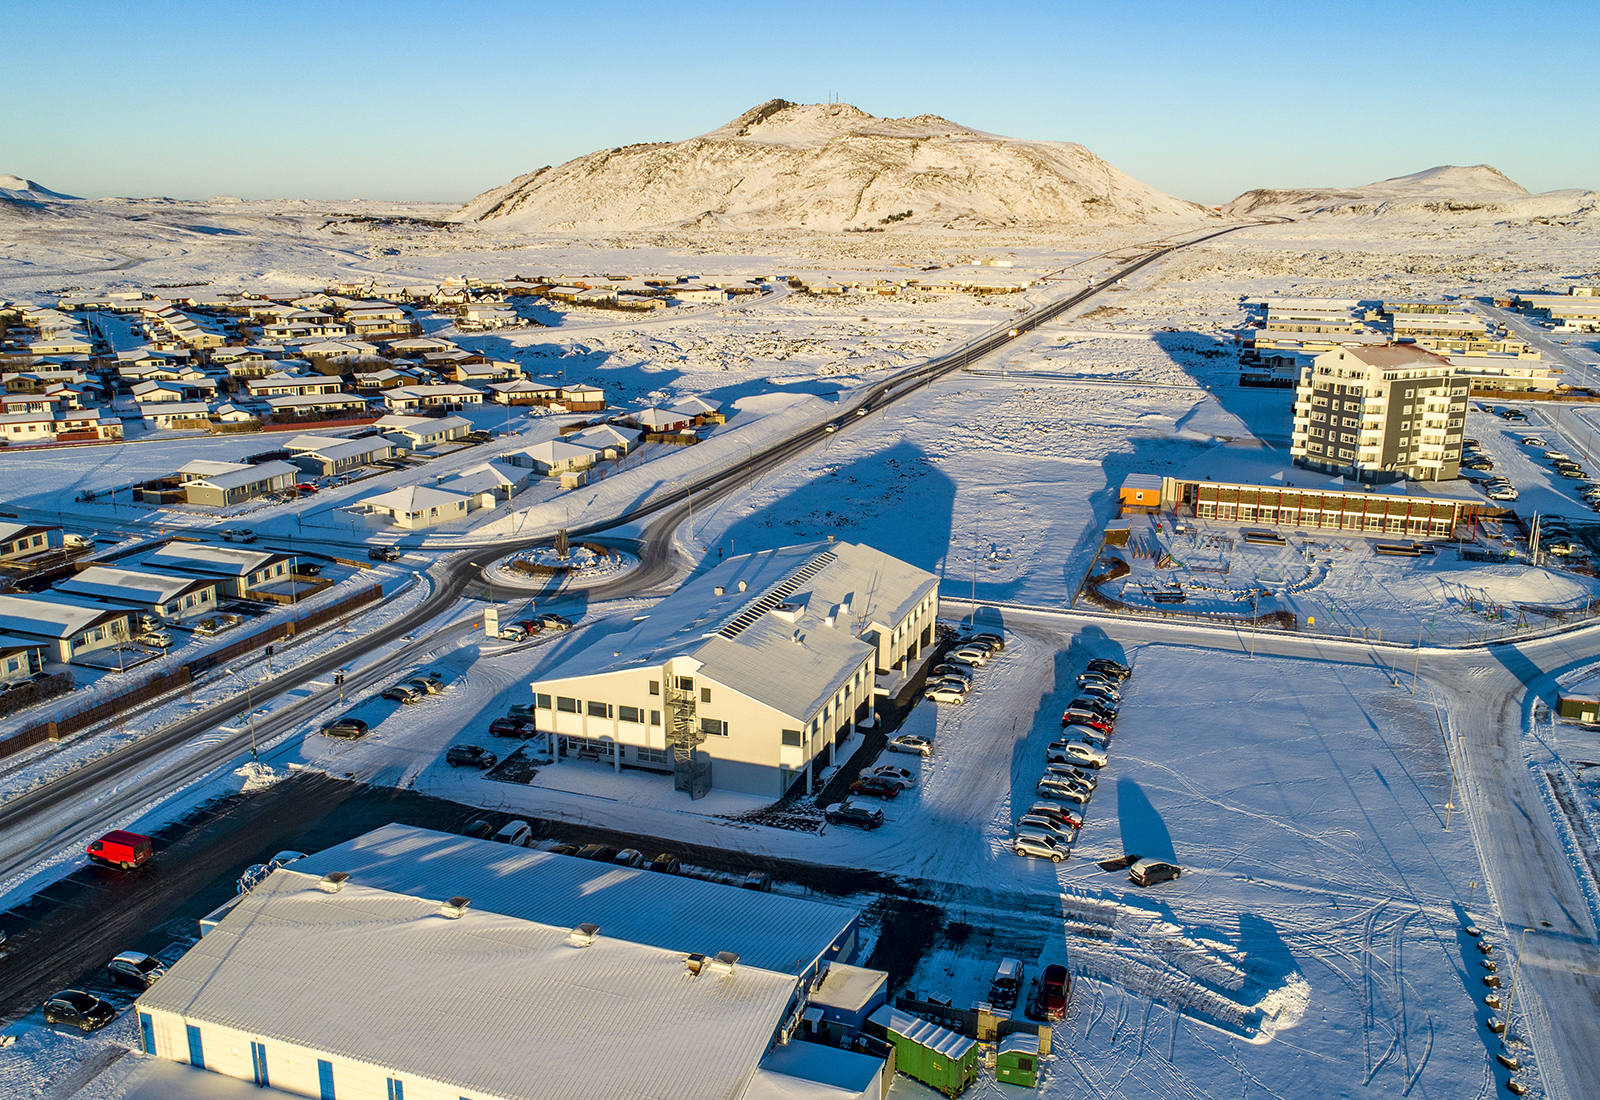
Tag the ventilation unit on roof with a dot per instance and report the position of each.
(719, 590)
(789, 612)
(724, 961)
(743, 586)
(455, 907)
(583, 935)
(333, 882)
(695, 963)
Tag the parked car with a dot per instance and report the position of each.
(945, 695)
(994, 641)
(513, 727)
(79, 1009)
(530, 626)
(479, 830)
(158, 638)
(238, 534)
(976, 656)
(470, 756)
(989, 644)
(384, 553)
(136, 969)
(1055, 988)
(1105, 664)
(900, 777)
(1087, 778)
(1572, 471)
(511, 632)
(1148, 872)
(121, 848)
(629, 857)
(950, 680)
(1039, 845)
(518, 834)
(1098, 679)
(1096, 689)
(1066, 774)
(1077, 731)
(876, 787)
(563, 849)
(346, 727)
(602, 853)
(1534, 441)
(1094, 704)
(1479, 464)
(1503, 494)
(1087, 718)
(1034, 823)
(430, 682)
(401, 693)
(1051, 786)
(910, 742)
(1557, 456)
(759, 881)
(946, 668)
(667, 864)
(1006, 985)
(1054, 811)
(859, 817)
(522, 710)
(553, 621)
(306, 487)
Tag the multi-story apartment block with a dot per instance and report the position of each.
(1380, 414)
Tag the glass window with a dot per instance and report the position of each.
(792, 738)
(714, 726)
(570, 706)
(599, 710)
(631, 714)
(655, 687)
(685, 683)
(655, 718)
(542, 701)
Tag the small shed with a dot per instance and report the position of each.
(1017, 1060)
(1141, 493)
(1578, 708)
(933, 1055)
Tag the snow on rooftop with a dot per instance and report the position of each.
(227, 561)
(484, 1002)
(130, 585)
(771, 931)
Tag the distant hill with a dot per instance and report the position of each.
(1478, 193)
(828, 166)
(28, 190)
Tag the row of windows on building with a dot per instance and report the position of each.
(1247, 513)
(637, 716)
(24, 544)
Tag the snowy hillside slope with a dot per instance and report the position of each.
(828, 166)
(1478, 193)
(18, 188)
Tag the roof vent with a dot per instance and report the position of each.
(455, 908)
(583, 935)
(695, 963)
(333, 882)
(830, 538)
(719, 590)
(724, 961)
(743, 586)
(798, 638)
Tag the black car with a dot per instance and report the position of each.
(598, 852)
(479, 830)
(1104, 665)
(135, 968)
(982, 641)
(469, 756)
(80, 1009)
(1094, 705)
(564, 849)
(859, 817)
(1148, 872)
(384, 553)
(401, 693)
(667, 864)
(346, 727)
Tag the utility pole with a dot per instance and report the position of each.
(1511, 994)
(1254, 610)
(1417, 662)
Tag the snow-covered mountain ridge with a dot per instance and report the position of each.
(828, 166)
(1477, 193)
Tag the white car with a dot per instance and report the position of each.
(975, 656)
(900, 777)
(514, 634)
(1037, 844)
(1534, 441)
(1087, 734)
(1101, 691)
(1043, 826)
(945, 695)
(1075, 752)
(910, 742)
(1503, 494)
(1555, 456)
(158, 638)
(1074, 773)
(1052, 786)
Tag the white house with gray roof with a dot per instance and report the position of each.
(155, 591)
(763, 666)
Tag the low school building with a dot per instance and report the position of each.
(1384, 510)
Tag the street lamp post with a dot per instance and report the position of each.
(1511, 994)
(250, 711)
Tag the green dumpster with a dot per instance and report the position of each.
(932, 1054)
(1017, 1060)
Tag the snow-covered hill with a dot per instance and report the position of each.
(1478, 193)
(828, 166)
(15, 187)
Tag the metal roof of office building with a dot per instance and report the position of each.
(678, 913)
(481, 1003)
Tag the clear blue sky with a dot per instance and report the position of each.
(442, 100)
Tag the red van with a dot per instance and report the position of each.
(121, 849)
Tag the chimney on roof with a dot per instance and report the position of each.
(455, 908)
(583, 935)
(743, 586)
(333, 882)
(830, 538)
(719, 590)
